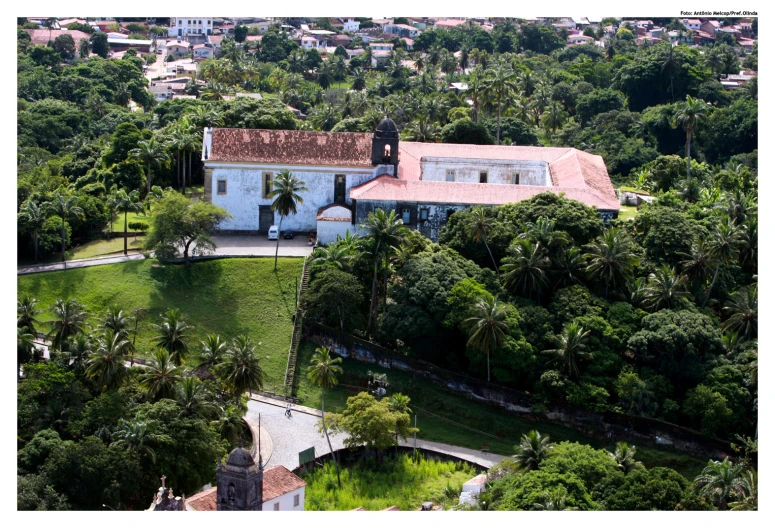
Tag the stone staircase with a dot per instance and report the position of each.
(290, 369)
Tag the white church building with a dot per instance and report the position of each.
(349, 174)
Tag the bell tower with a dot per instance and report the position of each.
(384, 144)
(240, 482)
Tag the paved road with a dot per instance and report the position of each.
(81, 263)
(291, 435)
(260, 246)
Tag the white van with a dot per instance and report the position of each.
(274, 233)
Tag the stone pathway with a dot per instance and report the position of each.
(291, 435)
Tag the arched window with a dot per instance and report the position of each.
(387, 151)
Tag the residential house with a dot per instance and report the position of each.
(379, 58)
(310, 42)
(351, 174)
(181, 26)
(730, 31)
(350, 24)
(579, 39)
(123, 44)
(449, 23)
(747, 44)
(580, 22)
(161, 91)
(179, 48)
(203, 51)
(41, 37)
(381, 46)
(381, 22)
(710, 26)
(692, 24)
(402, 30)
(409, 43)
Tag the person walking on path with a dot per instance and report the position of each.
(288, 410)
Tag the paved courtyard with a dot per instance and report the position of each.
(260, 246)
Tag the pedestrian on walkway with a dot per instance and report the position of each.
(288, 410)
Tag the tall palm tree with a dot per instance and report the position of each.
(134, 437)
(192, 396)
(689, 116)
(65, 208)
(171, 335)
(33, 217)
(748, 496)
(399, 403)
(212, 352)
(241, 368)
(698, 262)
(479, 224)
(665, 289)
(337, 255)
(423, 129)
(107, 363)
(160, 375)
(743, 311)
(476, 89)
(569, 267)
(176, 140)
(610, 259)
(671, 66)
(359, 79)
(322, 372)
(723, 244)
(720, 481)
(26, 312)
(151, 153)
(499, 85)
(286, 197)
(124, 202)
(69, 320)
(624, 456)
(572, 348)
(487, 327)
(230, 424)
(24, 348)
(524, 268)
(78, 351)
(555, 116)
(533, 448)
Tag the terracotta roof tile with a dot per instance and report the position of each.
(291, 147)
(41, 37)
(278, 480)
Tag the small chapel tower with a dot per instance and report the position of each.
(384, 143)
(240, 482)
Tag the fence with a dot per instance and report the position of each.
(599, 425)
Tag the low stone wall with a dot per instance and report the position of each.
(613, 426)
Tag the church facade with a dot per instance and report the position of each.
(350, 174)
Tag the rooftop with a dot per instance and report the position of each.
(41, 37)
(277, 481)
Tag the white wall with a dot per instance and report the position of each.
(328, 230)
(498, 171)
(286, 501)
(244, 194)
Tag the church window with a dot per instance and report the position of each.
(423, 214)
(296, 500)
(221, 186)
(483, 177)
(450, 175)
(406, 215)
(387, 151)
(267, 184)
(276, 506)
(515, 178)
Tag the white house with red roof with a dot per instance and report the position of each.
(351, 174)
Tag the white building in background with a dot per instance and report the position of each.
(182, 26)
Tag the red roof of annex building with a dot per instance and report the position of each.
(291, 147)
(278, 480)
(41, 37)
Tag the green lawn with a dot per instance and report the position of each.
(406, 485)
(628, 212)
(118, 223)
(227, 296)
(97, 248)
(459, 411)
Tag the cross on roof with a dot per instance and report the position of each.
(163, 478)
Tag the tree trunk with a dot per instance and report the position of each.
(184, 174)
(712, 283)
(148, 183)
(491, 257)
(373, 295)
(190, 172)
(63, 239)
(277, 248)
(177, 165)
(185, 255)
(125, 233)
(35, 244)
(672, 95)
(499, 122)
(488, 366)
(325, 430)
(688, 153)
(385, 278)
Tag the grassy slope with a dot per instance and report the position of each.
(228, 296)
(430, 398)
(118, 223)
(407, 485)
(97, 248)
(628, 212)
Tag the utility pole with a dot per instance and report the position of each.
(415, 435)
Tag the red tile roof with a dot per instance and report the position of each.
(278, 480)
(291, 147)
(41, 37)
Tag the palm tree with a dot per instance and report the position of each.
(172, 336)
(126, 203)
(212, 352)
(65, 209)
(524, 268)
(176, 141)
(230, 424)
(698, 262)
(151, 153)
(322, 372)
(78, 350)
(286, 196)
(115, 319)
(26, 312)
(324, 117)
(422, 129)
(160, 375)
(337, 255)
(500, 84)
(50, 23)
(743, 312)
(33, 217)
(689, 116)
(624, 456)
(665, 289)
(69, 320)
(359, 79)
(399, 404)
(478, 225)
(672, 67)
(553, 500)
(720, 482)
(476, 89)
(325, 74)
(610, 259)
(24, 348)
(532, 449)
(191, 394)
(241, 369)
(555, 116)
(569, 268)
(487, 327)
(571, 349)
(724, 242)
(134, 436)
(748, 497)
(107, 363)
